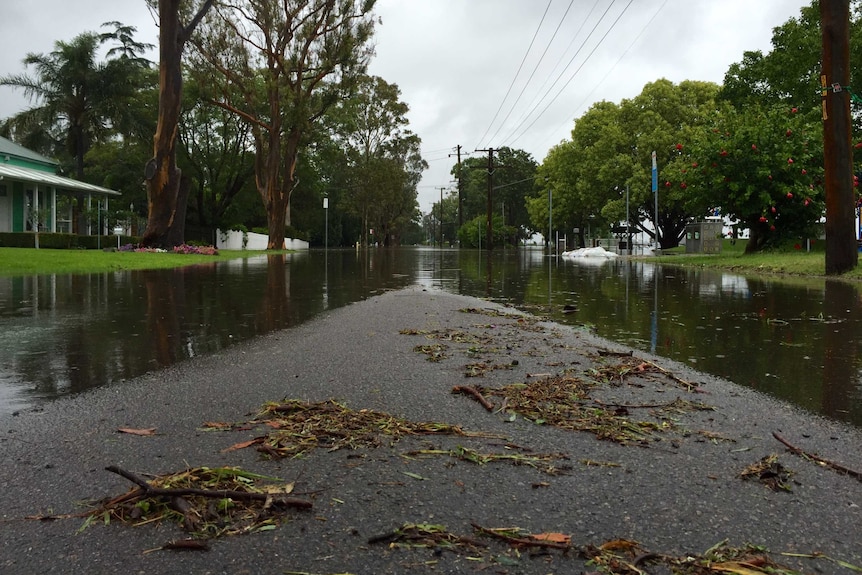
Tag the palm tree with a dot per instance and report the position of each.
(78, 100)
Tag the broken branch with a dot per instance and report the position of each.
(836, 466)
(520, 541)
(474, 393)
(212, 493)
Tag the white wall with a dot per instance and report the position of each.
(233, 240)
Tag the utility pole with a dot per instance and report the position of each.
(841, 251)
(441, 217)
(489, 234)
(460, 187)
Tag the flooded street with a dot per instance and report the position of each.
(795, 339)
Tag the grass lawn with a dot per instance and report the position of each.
(732, 257)
(30, 261)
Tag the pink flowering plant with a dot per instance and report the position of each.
(200, 250)
(180, 249)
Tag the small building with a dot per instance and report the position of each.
(32, 194)
(704, 237)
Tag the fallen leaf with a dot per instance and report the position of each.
(414, 475)
(131, 431)
(217, 425)
(186, 545)
(243, 444)
(553, 537)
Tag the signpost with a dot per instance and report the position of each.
(326, 225)
(655, 195)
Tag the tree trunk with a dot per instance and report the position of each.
(177, 231)
(278, 186)
(166, 198)
(162, 174)
(756, 237)
(276, 211)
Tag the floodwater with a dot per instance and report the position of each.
(798, 340)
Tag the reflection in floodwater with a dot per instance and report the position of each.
(797, 340)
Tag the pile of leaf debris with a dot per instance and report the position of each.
(206, 502)
(615, 557)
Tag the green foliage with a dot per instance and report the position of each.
(216, 155)
(789, 74)
(473, 234)
(762, 167)
(380, 159)
(657, 120)
(513, 182)
(610, 151)
(116, 165)
(294, 233)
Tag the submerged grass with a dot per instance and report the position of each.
(30, 261)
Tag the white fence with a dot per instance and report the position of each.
(235, 240)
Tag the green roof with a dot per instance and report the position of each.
(46, 178)
(10, 148)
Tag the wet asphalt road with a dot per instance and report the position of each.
(678, 493)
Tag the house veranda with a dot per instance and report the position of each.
(34, 198)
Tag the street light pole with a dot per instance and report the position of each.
(628, 224)
(550, 218)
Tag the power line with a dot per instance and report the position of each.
(560, 59)
(535, 68)
(612, 68)
(527, 116)
(512, 84)
(569, 81)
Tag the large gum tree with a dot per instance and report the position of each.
(166, 192)
(280, 66)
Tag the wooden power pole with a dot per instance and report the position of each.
(489, 234)
(841, 251)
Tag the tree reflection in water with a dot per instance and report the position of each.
(798, 340)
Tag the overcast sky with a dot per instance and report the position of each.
(456, 60)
